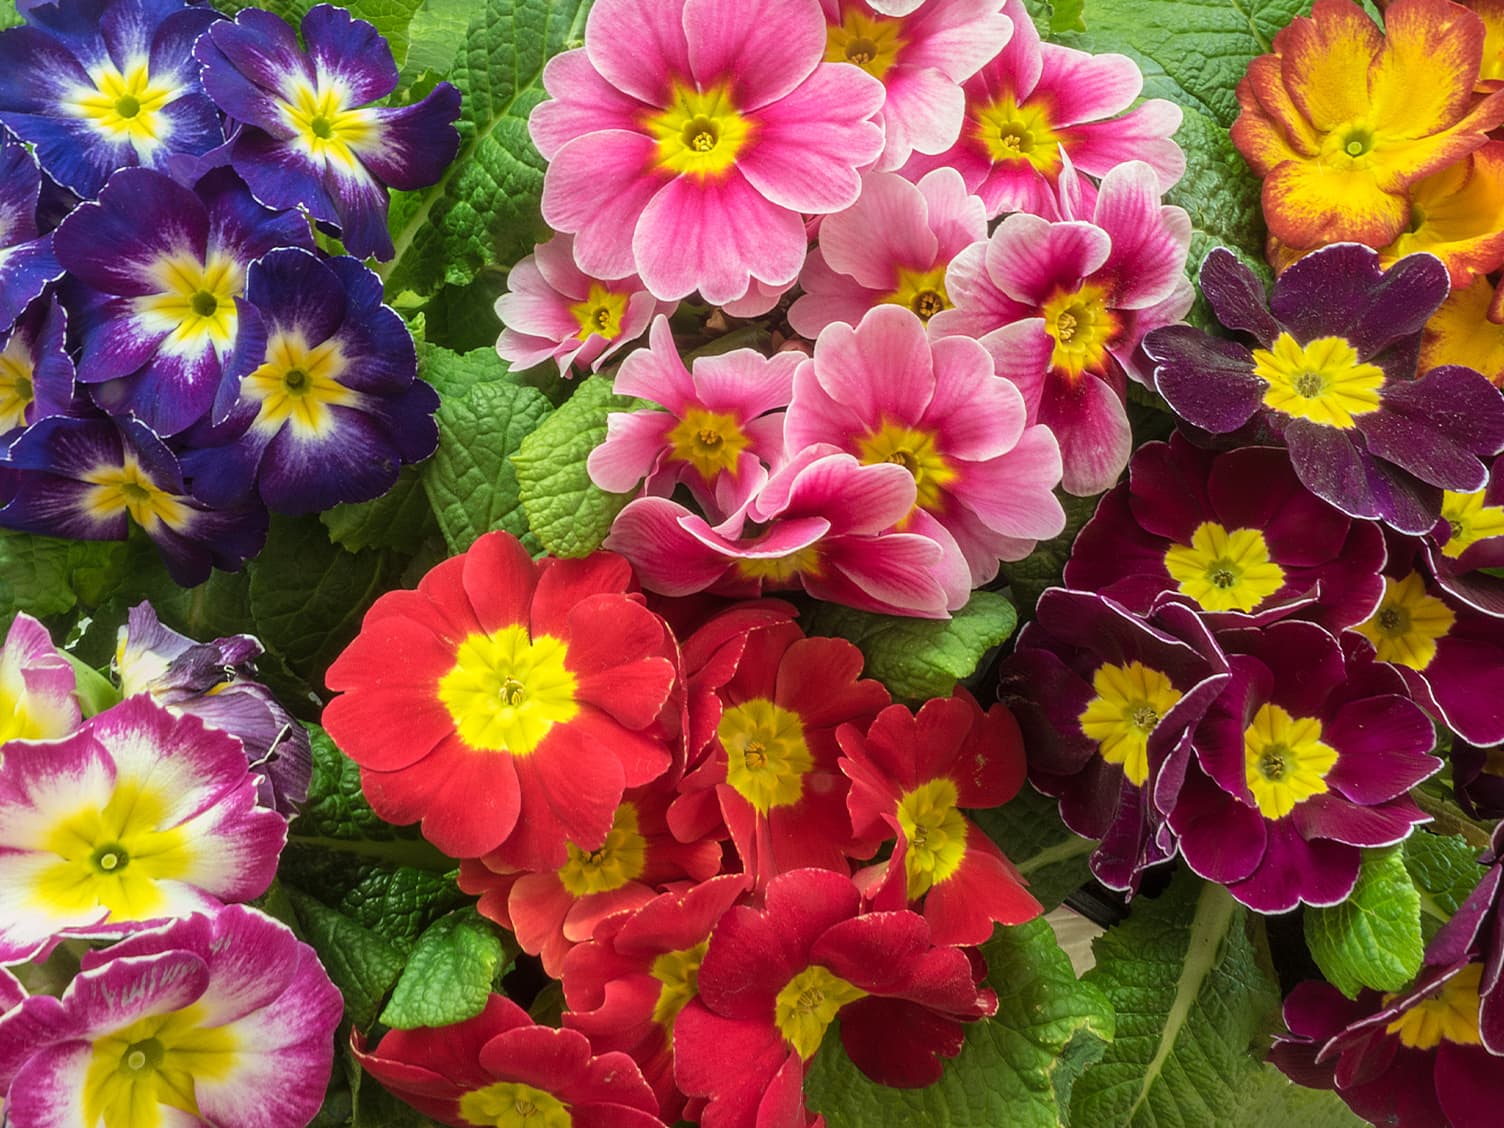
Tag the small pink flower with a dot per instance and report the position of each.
(884, 393)
(687, 137)
(889, 248)
(553, 311)
(1035, 100)
(722, 427)
(37, 683)
(921, 58)
(1094, 288)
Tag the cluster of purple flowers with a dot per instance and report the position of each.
(175, 348)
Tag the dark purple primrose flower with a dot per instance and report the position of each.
(27, 264)
(310, 136)
(322, 403)
(1478, 779)
(215, 682)
(1332, 377)
(1234, 535)
(1469, 538)
(36, 374)
(98, 85)
(1451, 656)
(169, 263)
(87, 479)
(1103, 697)
(1304, 758)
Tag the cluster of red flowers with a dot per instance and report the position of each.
(684, 809)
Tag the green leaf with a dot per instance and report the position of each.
(567, 512)
(1028, 577)
(390, 17)
(448, 976)
(1067, 15)
(1373, 938)
(94, 691)
(1445, 870)
(401, 519)
(1028, 829)
(1271, 1098)
(362, 964)
(463, 318)
(9, 17)
(437, 33)
(920, 658)
(453, 373)
(1015, 1069)
(485, 207)
(42, 575)
(1191, 1002)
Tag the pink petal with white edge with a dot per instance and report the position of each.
(1149, 241)
(1030, 258)
(45, 782)
(887, 228)
(1083, 87)
(758, 300)
(957, 218)
(735, 491)
(580, 102)
(976, 415)
(554, 261)
(783, 538)
(39, 683)
(1091, 424)
(828, 297)
(1013, 493)
(596, 188)
(811, 145)
(668, 560)
(1021, 354)
(639, 46)
(657, 373)
(979, 305)
(533, 307)
(923, 113)
(896, 574)
(957, 37)
(837, 488)
(11, 991)
(1019, 64)
(1143, 134)
(883, 367)
(521, 351)
(745, 383)
(714, 237)
(766, 47)
(635, 444)
(953, 574)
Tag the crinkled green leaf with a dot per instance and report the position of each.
(1028, 577)
(921, 658)
(568, 513)
(452, 373)
(400, 519)
(463, 318)
(1373, 938)
(437, 33)
(42, 575)
(448, 976)
(1013, 1070)
(361, 962)
(1271, 1100)
(1192, 1006)
(485, 207)
(1045, 850)
(1445, 870)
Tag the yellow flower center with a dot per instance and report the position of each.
(920, 291)
(916, 452)
(710, 441)
(700, 134)
(679, 972)
(298, 384)
(600, 313)
(1322, 381)
(1408, 623)
(127, 489)
(1082, 327)
(16, 390)
(324, 128)
(1011, 132)
(194, 302)
(1284, 760)
(871, 42)
(1225, 571)
(781, 569)
(807, 1005)
(766, 755)
(936, 833)
(621, 859)
(1470, 521)
(113, 856)
(1130, 701)
(153, 1064)
(124, 105)
(511, 1104)
(1450, 1014)
(506, 690)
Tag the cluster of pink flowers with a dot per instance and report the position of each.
(937, 379)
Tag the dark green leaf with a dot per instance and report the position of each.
(401, 519)
(1029, 831)
(362, 964)
(449, 974)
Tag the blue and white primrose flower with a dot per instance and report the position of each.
(98, 85)
(321, 404)
(308, 133)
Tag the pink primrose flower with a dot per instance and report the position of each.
(37, 684)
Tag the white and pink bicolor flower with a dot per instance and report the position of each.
(688, 138)
(37, 685)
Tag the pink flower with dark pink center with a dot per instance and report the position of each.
(921, 58)
(553, 311)
(1036, 101)
(687, 139)
(1099, 285)
(889, 248)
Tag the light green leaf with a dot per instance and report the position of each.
(1272, 1099)
(437, 33)
(1373, 938)
(94, 691)
(1045, 850)
(568, 513)
(362, 964)
(920, 658)
(1067, 15)
(485, 207)
(452, 373)
(1015, 1069)
(9, 17)
(1192, 1004)
(400, 519)
(1445, 869)
(448, 976)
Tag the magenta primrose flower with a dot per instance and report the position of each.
(687, 139)
(37, 683)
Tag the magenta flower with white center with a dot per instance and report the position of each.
(1099, 284)
(688, 138)
(553, 311)
(884, 393)
(228, 1014)
(138, 816)
(721, 429)
(1036, 100)
(37, 685)
(889, 248)
(921, 58)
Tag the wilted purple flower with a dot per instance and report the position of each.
(1478, 779)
